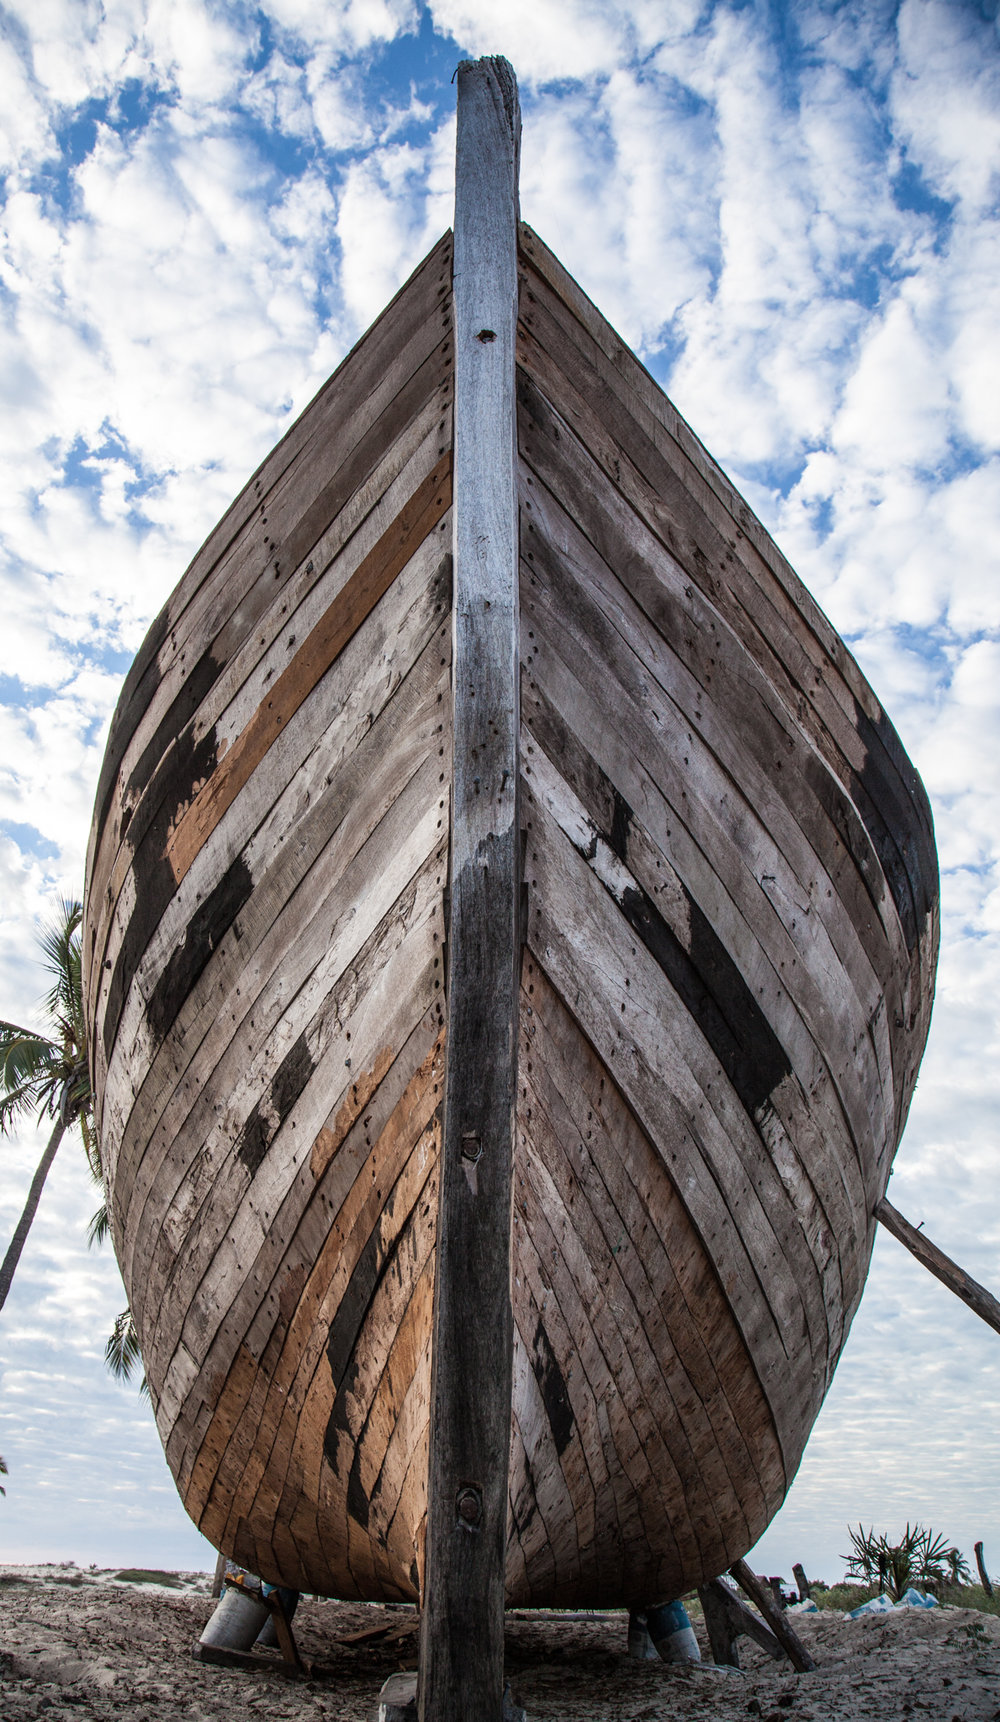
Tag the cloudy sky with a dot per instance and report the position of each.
(790, 209)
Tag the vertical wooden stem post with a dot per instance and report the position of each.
(461, 1644)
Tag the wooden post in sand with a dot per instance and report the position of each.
(759, 1594)
(461, 1642)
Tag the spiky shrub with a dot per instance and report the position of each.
(921, 1557)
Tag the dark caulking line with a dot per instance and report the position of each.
(374, 1263)
(140, 685)
(359, 1498)
(620, 824)
(710, 986)
(702, 972)
(174, 721)
(910, 862)
(269, 1114)
(553, 1390)
(188, 764)
(205, 931)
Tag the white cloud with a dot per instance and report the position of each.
(543, 39)
(945, 98)
(349, 25)
(390, 214)
(24, 124)
(608, 181)
(895, 410)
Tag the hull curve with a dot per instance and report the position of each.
(730, 940)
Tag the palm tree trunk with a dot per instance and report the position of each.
(23, 1226)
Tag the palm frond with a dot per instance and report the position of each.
(26, 1058)
(60, 942)
(30, 1074)
(100, 1226)
(122, 1354)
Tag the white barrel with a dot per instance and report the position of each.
(672, 1633)
(236, 1622)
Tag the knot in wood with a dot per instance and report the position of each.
(486, 335)
(469, 1505)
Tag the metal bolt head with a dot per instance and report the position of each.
(469, 1506)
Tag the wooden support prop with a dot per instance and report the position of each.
(802, 1583)
(225, 1656)
(461, 1641)
(250, 1661)
(282, 1625)
(983, 1575)
(940, 1265)
(760, 1596)
(727, 1619)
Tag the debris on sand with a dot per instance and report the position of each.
(95, 1646)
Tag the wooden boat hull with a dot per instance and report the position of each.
(730, 940)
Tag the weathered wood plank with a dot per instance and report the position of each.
(461, 1649)
(590, 502)
(137, 914)
(399, 831)
(841, 719)
(637, 1031)
(247, 635)
(750, 1056)
(279, 1465)
(313, 658)
(687, 1472)
(236, 1194)
(713, 842)
(697, 660)
(622, 379)
(545, 1507)
(671, 1277)
(724, 1013)
(366, 380)
(356, 1141)
(579, 1322)
(710, 927)
(329, 793)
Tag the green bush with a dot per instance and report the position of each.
(921, 1558)
(969, 1596)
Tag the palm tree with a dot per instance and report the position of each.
(49, 1072)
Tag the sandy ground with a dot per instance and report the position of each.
(91, 1645)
